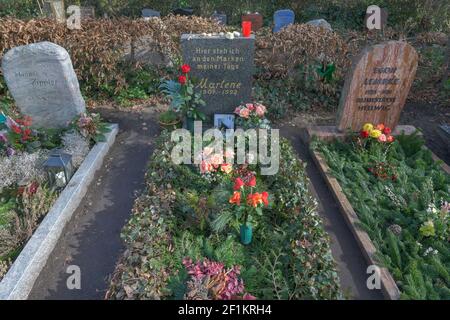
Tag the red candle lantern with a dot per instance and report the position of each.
(246, 28)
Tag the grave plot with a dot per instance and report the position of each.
(392, 191)
(218, 227)
(48, 156)
(189, 219)
(190, 222)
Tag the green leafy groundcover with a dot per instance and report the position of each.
(289, 257)
(405, 214)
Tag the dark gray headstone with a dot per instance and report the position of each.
(87, 12)
(220, 18)
(183, 11)
(145, 51)
(149, 13)
(223, 67)
(43, 84)
(283, 18)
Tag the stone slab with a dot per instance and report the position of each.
(320, 23)
(221, 18)
(223, 69)
(18, 282)
(55, 9)
(376, 87)
(256, 20)
(87, 12)
(149, 13)
(283, 18)
(43, 83)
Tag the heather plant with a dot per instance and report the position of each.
(210, 280)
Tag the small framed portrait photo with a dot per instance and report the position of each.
(224, 121)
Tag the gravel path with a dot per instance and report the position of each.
(350, 261)
(92, 239)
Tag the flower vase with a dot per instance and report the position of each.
(246, 234)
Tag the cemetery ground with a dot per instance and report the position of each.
(81, 241)
(147, 226)
(94, 231)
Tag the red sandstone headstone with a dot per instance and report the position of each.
(375, 90)
(256, 20)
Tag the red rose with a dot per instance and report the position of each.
(238, 183)
(185, 68)
(16, 129)
(364, 134)
(387, 130)
(182, 79)
(251, 182)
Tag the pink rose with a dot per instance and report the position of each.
(244, 113)
(226, 167)
(260, 110)
(382, 138)
(237, 110)
(216, 159)
(205, 167)
(250, 106)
